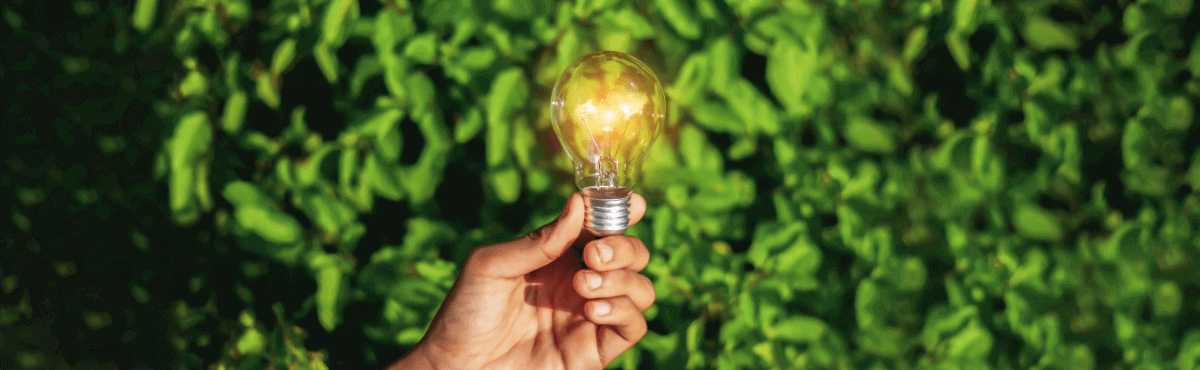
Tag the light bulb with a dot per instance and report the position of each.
(607, 108)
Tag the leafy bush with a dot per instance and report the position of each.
(843, 184)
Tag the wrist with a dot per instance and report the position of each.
(416, 359)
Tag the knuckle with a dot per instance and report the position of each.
(477, 256)
(540, 234)
(649, 288)
(481, 261)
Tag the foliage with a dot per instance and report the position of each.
(844, 184)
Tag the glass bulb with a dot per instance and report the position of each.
(607, 110)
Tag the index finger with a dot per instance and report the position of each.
(637, 208)
(616, 252)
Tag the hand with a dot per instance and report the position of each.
(518, 305)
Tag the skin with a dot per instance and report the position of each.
(529, 304)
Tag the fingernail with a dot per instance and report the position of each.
(606, 252)
(602, 308)
(593, 279)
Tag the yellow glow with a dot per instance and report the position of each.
(608, 108)
(602, 115)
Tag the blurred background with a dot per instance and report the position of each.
(850, 184)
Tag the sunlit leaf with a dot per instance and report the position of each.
(1044, 34)
(422, 49)
(678, 14)
(790, 69)
(867, 135)
(144, 14)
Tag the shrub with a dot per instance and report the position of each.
(843, 184)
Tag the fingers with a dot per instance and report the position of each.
(637, 208)
(616, 252)
(539, 248)
(594, 285)
(531, 252)
(621, 325)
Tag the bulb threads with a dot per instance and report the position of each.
(606, 210)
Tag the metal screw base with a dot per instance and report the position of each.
(606, 210)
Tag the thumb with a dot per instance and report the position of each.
(535, 250)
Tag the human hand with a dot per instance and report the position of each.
(528, 304)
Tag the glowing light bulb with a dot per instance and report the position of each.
(607, 110)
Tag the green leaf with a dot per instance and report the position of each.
(753, 108)
(1179, 114)
(790, 70)
(477, 58)
(508, 95)
(629, 20)
(336, 15)
(381, 179)
(272, 226)
(914, 45)
(769, 238)
(1167, 299)
(716, 117)
(662, 345)
(329, 291)
(799, 329)
(1150, 180)
(391, 28)
(1135, 145)
(568, 48)
(421, 95)
(697, 153)
(584, 7)
(524, 143)
(410, 336)
(663, 223)
(326, 61)
(507, 184)
(959, 49)
(468, 127)
(422, 179)
(743, 148)
(422, 49)
(267, 91)
(235, 112)
(1193, 59)
(243, 194)
(691, 80)
(725, 59)
(800, 261)
(678, 14)
(1189, 351)
(394, 72)
(143, 15)
(251, 342)
(1045, 34)
(285, 53)
(191, 141)
(966, 14)
(384, 129)
(366, 68)
(1036, 223)
(308, 170)
(868, 304)
(326, 213)
(973, 342)
(899, 78)
(193, 85)
(865, 134)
